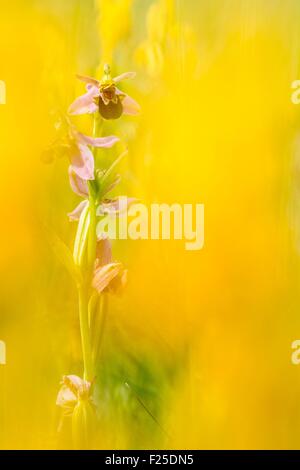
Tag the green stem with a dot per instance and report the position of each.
(84, 288)
(100, 326)
(85, 333)
(92, 237)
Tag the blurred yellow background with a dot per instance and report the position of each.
(203, 338)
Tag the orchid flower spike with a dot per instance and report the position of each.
(81, 157)
(104, 97)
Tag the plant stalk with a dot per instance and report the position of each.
(85, 333)
(84, 288)
(92, 237)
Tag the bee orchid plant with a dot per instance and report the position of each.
(99, 272)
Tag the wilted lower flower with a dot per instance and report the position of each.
(73, 389)
(75, 399)
(103, 96)
(109, 276)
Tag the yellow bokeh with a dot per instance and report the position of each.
(204, 337)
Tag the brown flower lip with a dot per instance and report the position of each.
(110, 102)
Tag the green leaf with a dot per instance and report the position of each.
(105, 178)
(64, 254)
(81, 236)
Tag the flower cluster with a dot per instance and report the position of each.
(100, 273)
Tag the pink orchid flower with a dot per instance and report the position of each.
(73, 389)
(80, 187)
(76, 145)
(116, 206)
(103, 96)
(81, 157)
(109, 276)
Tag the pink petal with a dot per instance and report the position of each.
(130, 106)
(73, 389)
(115, 206)
(85, 103)
(118, 283)
(124, 76)
(76, 384)
(124, 277)
(104, 251)
(66, 398)
(82, 161)
(105, 274)
(78, 185)
(105, 142)
(88, 80)
(76, 213)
